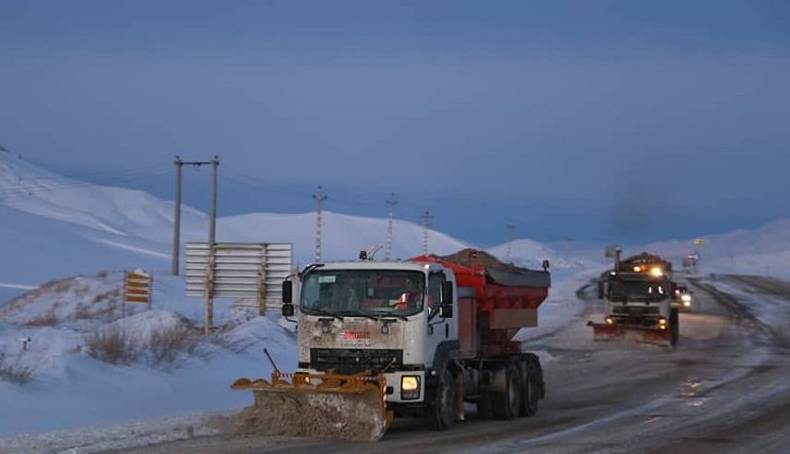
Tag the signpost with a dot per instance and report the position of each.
(137, 288)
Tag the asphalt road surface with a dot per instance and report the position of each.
(724, 388)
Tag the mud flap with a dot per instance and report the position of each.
(343, 407)
(631, 333)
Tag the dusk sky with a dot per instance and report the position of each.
(616, 121)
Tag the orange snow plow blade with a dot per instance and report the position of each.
(631, 333)
(345, 407)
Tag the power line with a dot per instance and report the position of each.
(31, 185)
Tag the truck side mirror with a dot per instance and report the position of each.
(287, 292)
(288, 307)
(446, 309)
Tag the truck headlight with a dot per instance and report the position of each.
(662, 323)
(656, 271)
(686, 300)
(410, 387)
(609, 320)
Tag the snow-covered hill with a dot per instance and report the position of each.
(770, 238)
(55, 226)
(113, 210)
(764, 250)
(343, 235)
(530, 253)
(71, 212)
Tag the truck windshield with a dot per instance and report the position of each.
(363, 292)
(637, 291)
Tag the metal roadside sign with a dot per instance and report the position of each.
(251, 273)
(137, 287)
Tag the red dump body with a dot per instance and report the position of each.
(493, 305)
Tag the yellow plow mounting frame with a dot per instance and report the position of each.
(346, 407)
(633, 333)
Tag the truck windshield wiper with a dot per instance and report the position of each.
(323, 313)
(357, 314)
(374, 317)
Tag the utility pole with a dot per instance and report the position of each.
(391, 202)
(177, 206)
(319, 197)
(212, 229)
(511, 236)
(212, 226)
(426, 219)
(177, 217)
(212, 237)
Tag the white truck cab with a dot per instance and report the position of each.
(393, 318)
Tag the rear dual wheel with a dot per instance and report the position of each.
(532, 387)
(507, 404)
(523, 389)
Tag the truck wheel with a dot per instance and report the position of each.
(506, 404)
(674, 327)
(531, 389)
(441, 411)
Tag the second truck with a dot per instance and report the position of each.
(419, 338)
(639, 302)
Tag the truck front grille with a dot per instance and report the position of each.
(353, 360)
(635, 310)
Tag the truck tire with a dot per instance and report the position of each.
(532, 384)
(674, 327)
(442, 409)
(506, 404)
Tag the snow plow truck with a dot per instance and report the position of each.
(639, 302)
(416, 338)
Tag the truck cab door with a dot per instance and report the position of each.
(438, 327)
(442, 335)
